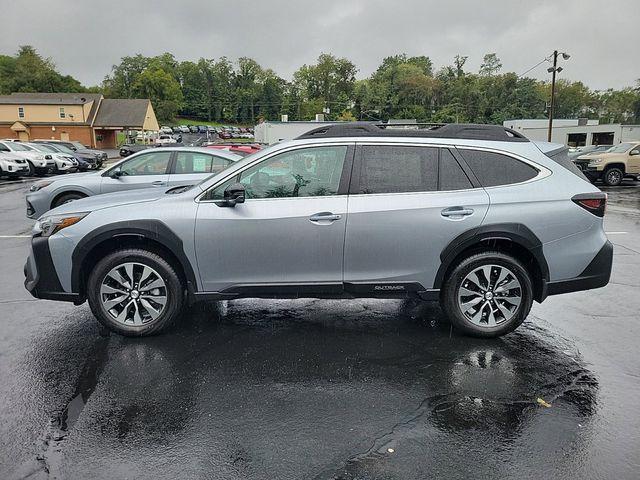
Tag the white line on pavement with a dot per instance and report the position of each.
(616, 233)
(15, 236)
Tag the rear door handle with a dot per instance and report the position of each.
(456, 212)
(324, 217)
(158, 183)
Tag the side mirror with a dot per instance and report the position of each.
(234, 194)
(116, 174)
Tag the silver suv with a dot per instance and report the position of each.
(475, 216)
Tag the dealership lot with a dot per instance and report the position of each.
(322, 389)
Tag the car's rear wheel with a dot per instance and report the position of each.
(613, 176)
(135, 292)
(488, 294)
(66, 198)
(32, 169)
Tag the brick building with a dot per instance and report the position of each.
(86, 117)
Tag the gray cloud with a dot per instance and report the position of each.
(85, 38)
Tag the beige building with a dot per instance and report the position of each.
(86, 117)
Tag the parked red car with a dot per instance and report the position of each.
(243, 149)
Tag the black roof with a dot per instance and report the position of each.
(451, 130)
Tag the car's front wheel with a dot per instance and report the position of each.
(488, 294)
(613, 176)
(135, 292)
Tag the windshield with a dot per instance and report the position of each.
(623, 147)
(44, 148)
(244, 160)
(20, 148)
(78, 145)
(62, 148)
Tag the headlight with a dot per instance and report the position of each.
(50, 224)
(40, 185)
(595, 160)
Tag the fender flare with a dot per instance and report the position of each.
(514, 232)
(152, 229)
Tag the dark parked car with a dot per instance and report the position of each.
(193, 128)
(131, 148)
(202, 129)
(86, 161)
(177, 129)
(78, 147)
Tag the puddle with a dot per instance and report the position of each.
(51, 455)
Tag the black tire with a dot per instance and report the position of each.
(613, 176)
(453, 283)
(66, 198)
(174, 292)
(32, 169)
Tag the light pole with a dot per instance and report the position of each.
(553, 70)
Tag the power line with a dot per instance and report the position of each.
(546, 59)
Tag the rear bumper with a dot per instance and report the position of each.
(596, 275)
(41, 279)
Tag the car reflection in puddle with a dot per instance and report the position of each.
(339, 389)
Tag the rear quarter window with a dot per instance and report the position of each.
(561, 157)
(494, 169)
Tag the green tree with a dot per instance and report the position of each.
(162, 89)
(490, 64)
(28, 71)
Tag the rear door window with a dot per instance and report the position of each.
(396, 169)
(494, 169)
(196, 162)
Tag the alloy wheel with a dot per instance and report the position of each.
(133, 294)
(489, 295)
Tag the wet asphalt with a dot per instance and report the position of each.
(319, 389)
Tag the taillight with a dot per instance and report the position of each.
(592, 202)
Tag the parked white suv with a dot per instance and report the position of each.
(13, 166)
(63, 162)
(165, 140)
(37, 162)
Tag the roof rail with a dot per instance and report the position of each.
(429, 130)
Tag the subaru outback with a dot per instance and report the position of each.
(475, 216)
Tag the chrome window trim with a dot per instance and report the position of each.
(199, 199)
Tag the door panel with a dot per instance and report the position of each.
(633, 161)
(289, 230)
(270, 241)
(399, 237)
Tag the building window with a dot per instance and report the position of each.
(20, 112)
(62, 114)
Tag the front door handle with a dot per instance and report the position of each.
(324, 218)
(457, 212)
(158, 183)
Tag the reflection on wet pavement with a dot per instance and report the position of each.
(320, 389)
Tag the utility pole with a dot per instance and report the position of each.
(553, 93)
(553, 70)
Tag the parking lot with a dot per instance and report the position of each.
(322, 389)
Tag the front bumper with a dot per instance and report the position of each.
(41, 279)
(591, 172)
(596, 275)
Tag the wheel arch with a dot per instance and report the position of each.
(621, 165)
(512, 238)
(152, 235)
(67, 190)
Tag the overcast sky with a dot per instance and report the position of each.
(86, 37)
